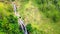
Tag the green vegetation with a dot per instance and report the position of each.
(41, 17)
(50, 8)
(8, 23)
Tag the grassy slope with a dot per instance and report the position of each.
(38, 20)
(31, 14)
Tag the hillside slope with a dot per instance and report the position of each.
(39, 16)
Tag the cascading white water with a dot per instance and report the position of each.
(20, 21)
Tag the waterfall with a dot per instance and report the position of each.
(20, 21)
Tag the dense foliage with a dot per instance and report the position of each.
(50, 8)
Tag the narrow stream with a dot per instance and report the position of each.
(20, 21)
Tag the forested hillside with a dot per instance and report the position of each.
(39, 16)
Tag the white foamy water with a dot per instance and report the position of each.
(20, 21)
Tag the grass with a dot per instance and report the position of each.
(44, 19)
(38, 19)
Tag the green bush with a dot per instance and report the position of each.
(29, 28)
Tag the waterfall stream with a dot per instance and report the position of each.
(20, 21)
